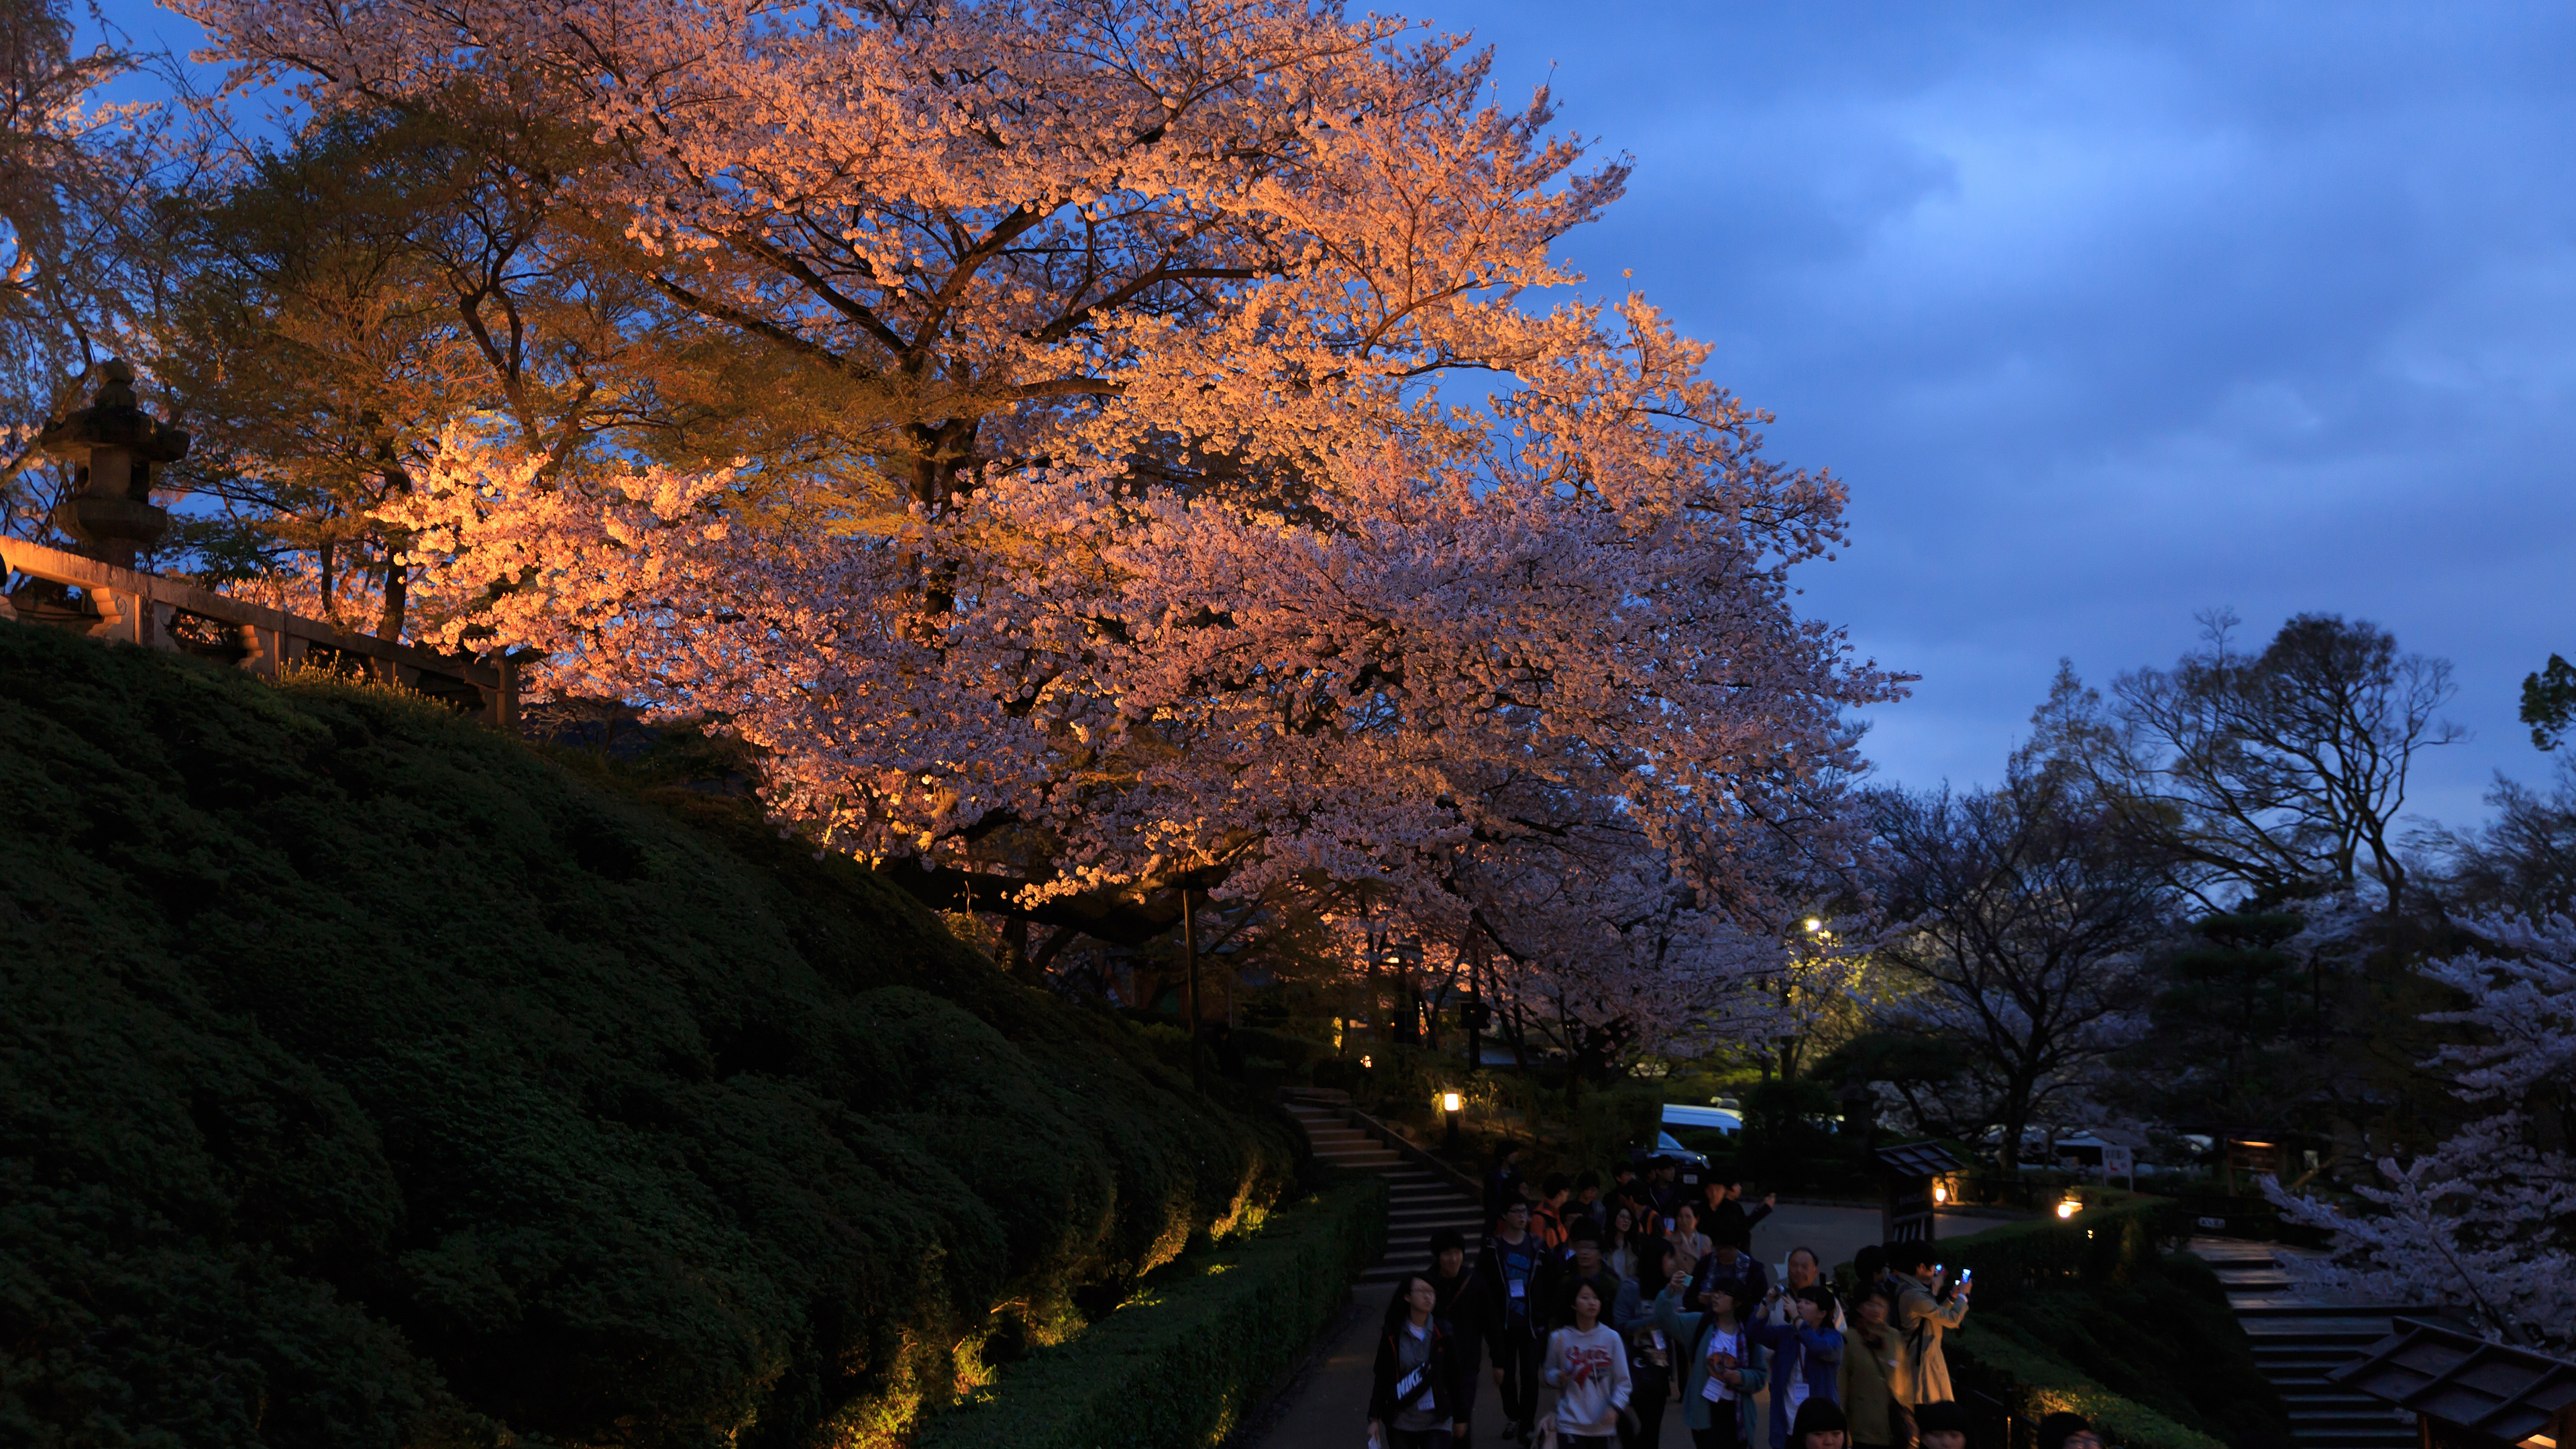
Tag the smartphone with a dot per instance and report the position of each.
(1966, 1273)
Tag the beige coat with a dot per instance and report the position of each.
(1922, 1374)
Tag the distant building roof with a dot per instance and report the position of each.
(2512, 1394)
(1919, 1159)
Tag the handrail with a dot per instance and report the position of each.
(136, 608)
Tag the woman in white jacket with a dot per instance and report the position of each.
(1587, 1364)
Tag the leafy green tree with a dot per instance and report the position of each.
(2235, 1028)
(2549, 701)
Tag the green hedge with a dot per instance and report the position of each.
(2002, 1364)
(1181, 1362)
(370, 1079)
(2085, 1314)
(2097, 1245)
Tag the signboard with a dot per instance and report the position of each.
(2120, 1162)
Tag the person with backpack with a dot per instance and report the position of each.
(1520, 1276)
(1587, 1365)
(1922, 1373)
(1415, 1385)
(1725, 1365)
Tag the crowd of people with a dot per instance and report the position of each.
(1637, 1296)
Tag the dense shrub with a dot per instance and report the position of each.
(1181, 1362)
(368, 1078)
(2086, 1314)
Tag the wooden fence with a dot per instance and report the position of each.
(130, 607)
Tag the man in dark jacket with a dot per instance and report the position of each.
(1520, 1274)
(1467, 1309)
(1503, 1184)
(1730, 1261)
(1587, 1266)
(1728, 1215)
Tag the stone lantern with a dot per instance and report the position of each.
(112, 445)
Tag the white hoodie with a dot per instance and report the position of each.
(1592, 1406)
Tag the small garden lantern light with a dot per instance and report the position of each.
(2066, 1208)
(1452, 1103)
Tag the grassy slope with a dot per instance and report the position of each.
(366, 1078)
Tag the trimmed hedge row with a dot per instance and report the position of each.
(1996, 1361)
(2085, 1314)
(2097, 1245)
(368, 1079)
(1179, 1363)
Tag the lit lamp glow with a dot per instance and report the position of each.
(2066, 1209)
(1814, 925)
(1940, 1193)
(1450, 1102)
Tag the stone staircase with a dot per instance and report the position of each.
(1419, 1199)
(2298, 1341)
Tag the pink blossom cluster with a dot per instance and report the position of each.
(1240, 523)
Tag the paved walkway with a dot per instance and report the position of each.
(1327, 1408)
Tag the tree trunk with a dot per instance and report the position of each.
(389, 623)
(1190, 962)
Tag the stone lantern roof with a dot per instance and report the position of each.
(112, 446)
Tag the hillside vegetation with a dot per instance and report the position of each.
(367, 1078)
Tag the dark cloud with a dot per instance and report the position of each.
(2111, 315)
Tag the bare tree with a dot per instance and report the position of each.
(2027, 925)
(2266, 772)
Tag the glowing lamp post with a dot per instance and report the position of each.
(2066, 1209)
(1451, 1105)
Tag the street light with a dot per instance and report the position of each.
(1451, 1105)
(1814, 925)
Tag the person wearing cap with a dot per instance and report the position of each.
(2063, 1430)
(1922, 1373)
(1820, 1426)
(1464, 1307)
(1943, 1425)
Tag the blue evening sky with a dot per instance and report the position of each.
(2110, 314)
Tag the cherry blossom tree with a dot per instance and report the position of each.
(1202, 503)
(2485, 1221)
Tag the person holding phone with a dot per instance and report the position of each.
(1922, 1316)
(1725, 1365)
